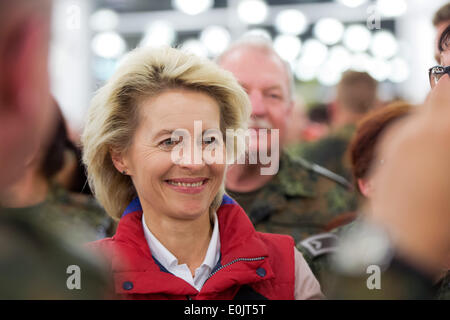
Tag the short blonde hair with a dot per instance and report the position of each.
(114, 113)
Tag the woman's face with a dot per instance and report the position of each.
(179, 189)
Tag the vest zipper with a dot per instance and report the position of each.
(234, 261)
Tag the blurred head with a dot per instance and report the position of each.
(128, 139)
(266, 78)
(441, 20)
(356, 92)
(364, 159)
(25, 107)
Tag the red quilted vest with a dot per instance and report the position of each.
(253, 265)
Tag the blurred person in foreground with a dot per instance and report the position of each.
(410, 218)
(179, 236)
(298, 198)
(318, 249)
(356, 94)
(37, 191)
(33, 259)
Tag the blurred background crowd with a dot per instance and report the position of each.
(390, 40)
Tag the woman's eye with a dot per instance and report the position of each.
(168, 143)
(209, 140)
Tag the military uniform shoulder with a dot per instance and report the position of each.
(84, 200)
(444, 287)
(319, 244)
(77, 200)
(80, 208)
(319, 170)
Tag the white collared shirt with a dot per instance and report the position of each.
(170, 262)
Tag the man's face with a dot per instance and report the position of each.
(264, 78)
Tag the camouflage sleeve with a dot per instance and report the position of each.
(443, 292)
(328, 152)
(316, 251)
(36, 263)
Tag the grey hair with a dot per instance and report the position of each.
(265, 44)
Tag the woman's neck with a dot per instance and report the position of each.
(187, 240)
(30, 190)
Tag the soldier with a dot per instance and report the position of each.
(77, 215)
(356, 95)
(403, 249)
(35, 263)
(400, 249)
(301, 198)
(409, 221)
(318, 249)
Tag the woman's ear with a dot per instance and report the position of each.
(119, 161)
(365, 186)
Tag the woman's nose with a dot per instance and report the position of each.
(192, 158)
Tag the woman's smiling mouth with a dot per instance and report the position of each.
(187, 185)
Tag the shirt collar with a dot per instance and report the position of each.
(168, 260)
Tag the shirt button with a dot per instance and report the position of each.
(127, 285)
(261, 272)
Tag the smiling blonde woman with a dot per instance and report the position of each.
(179, 236)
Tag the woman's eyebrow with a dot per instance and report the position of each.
(162, 133)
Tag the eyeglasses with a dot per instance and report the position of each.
(435, 73)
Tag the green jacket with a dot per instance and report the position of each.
(76, 216)
(38, 263)
(301, 200)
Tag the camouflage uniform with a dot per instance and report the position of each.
(339, 262)
(443, 287)
(34, 262)
(300, 200)
(317, 251)
(330, 151)
(77, 216)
